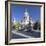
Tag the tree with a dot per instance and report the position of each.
(36, 25)
(17, 25)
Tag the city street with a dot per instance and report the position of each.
(25, 24)
(25, 34)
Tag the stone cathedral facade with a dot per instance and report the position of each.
(25, 20)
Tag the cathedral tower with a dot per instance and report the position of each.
(26, 16)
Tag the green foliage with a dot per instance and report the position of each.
(17, 25)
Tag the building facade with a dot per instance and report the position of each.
(26, 19)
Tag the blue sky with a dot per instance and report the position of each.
(17, 11)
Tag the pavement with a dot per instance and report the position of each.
(25, 34)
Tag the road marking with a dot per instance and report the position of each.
(15, 32)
